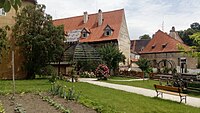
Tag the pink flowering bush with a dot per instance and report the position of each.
(102, 72)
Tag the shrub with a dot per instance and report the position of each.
(88, 66)
(87, 74)
(47, 71)
(64, 92)
(102, 72)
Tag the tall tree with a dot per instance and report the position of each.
(144, 37)
(195, 26)
(40, 41)
(7, 4)
(184, 34)
(112, 56)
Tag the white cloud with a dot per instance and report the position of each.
(142, 16)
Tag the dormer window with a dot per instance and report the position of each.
(153, 46)
(108, 31)
(85, 33)
(2, 12)
(164, 45)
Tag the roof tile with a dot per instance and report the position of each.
(111, 18)
(162, 43)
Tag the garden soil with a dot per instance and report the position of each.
(33, 103)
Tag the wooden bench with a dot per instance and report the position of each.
(170, 90)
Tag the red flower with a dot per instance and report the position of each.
(102, 71)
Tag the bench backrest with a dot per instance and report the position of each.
(168, 88)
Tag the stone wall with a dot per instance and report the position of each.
(190, 61)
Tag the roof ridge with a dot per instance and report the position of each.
(88, 14)
(173, 38)
(160, 38)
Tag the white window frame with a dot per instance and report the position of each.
(108, 32)
(2, 12)
(84, 34)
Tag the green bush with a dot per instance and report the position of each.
(48, 71)
(87, 74)
(88, 66)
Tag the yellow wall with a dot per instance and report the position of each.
(5, 64)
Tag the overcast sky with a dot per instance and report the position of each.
(142, 16)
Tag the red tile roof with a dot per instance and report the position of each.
(111, 18)
(162, 43)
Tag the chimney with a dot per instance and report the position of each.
(85, 17)
(100, 17)
(173, 29)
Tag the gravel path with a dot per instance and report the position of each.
(142, 91)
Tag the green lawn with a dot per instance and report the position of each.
(106, 99)
(146, 84)
(24, 86)
(119, 78)
(143, 84)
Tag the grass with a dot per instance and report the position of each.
(24, 86)
(119, 78)
(146, 84)
(106, 100)
(143, 84)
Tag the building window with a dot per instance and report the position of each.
(84, 35)
(108, 31)
(2, 12)
(164, 45)
(153, 46)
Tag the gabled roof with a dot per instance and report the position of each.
(163, 43)
(111, 18)
(85, 29)
(138, 45)
(110, 28)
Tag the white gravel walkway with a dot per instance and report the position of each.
(142, 91)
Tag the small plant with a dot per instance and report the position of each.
(72, 95)
(19, 109)
(56, 89)
(102, 72)
(56, 105)
(62, 91)
(1, 108)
